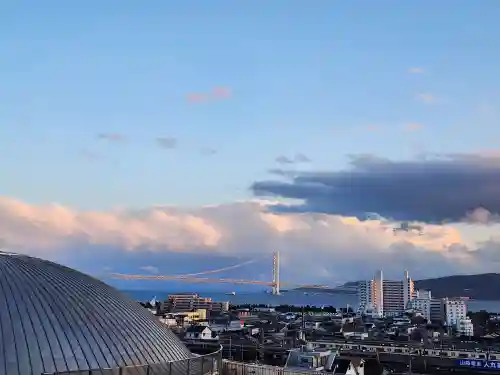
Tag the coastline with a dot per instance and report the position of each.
(292, 298)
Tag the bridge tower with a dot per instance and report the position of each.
(276, 273)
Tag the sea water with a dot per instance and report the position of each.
(292, 298)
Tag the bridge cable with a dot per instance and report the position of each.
(221, 269)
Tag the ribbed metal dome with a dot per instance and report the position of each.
(56, 319)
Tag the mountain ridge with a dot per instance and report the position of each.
(484, 286)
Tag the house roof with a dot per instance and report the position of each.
(196, 329)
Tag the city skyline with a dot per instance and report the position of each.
(182, 137)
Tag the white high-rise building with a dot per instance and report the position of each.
(379, 292)
(421, 303)
(365, 294)
(371, 296)
(385, 297)
(449, 311)
(419, 293)
(408, 288)
(465, 327)
(455, 310)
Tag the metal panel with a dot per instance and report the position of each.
(55, 319)
(209, 364)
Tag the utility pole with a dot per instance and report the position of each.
(379, 364)
(261, 347)
(303, 317)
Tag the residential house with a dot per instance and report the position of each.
(200, 333)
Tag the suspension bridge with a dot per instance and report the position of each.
(198, 277)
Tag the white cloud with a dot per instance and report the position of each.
(345, 247)
(416, 70)
(150, 269)
(426, 97)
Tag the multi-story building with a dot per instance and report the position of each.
(180, 302)
(420, 293)
(465, 327)
(394, 301)
(421, 303)
(437, 313)
(371, 296)
(392, 297)
(190, 302)
(408, 289)
(378, 289)
(455, 311)
(449, 311)
(365, 294)
(385, 297)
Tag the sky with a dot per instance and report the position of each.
(182, 135)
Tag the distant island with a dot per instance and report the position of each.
(484, 287)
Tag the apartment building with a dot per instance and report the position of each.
(421, 302)
(385, 297)
(423, 294)
(444, 310)
(455, 311)
(394, 301)
(408, 289)
(437, 314)
(184, 302)
(465, 327)
(371, 296)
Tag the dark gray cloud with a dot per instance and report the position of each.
(432, 188)
(282, 159)
(167, 142)
(298, 158)
(301, 158)
(207, 151)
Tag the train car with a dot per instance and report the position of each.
(391, 348)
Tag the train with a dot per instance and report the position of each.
(453, 353)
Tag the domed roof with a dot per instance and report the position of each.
(56, 319)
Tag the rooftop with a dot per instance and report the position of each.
(55, 319)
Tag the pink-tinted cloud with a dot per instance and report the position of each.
(217, 93)
(242, 229)
(413, 127)
(222, 93)
(54, 225)
(373, 128)
(198, 97)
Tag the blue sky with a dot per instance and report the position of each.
(305, 77)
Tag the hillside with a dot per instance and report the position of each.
(483, 287)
